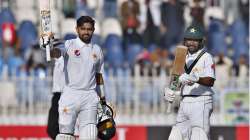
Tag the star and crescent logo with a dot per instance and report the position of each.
(65, 110)
(192, 30)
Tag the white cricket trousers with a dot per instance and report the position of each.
(194, 112)
(77, 103)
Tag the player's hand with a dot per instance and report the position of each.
(169, 94)
(103, 101)
(55, 53)
(188, 79)
(45, 41)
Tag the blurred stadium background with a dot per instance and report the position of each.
(138, 38)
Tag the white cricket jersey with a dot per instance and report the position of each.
(58, 75)
(205, 67)
(82, 62)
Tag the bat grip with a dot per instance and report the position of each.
(174, 85)
(48, 58)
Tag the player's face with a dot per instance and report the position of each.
(85, 32)
(193, 45)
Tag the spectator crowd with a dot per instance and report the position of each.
(131, 32)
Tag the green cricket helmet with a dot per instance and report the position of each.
(194, 32)
(106, 125)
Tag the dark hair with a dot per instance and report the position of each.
(85, 19)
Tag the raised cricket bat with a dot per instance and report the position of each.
(45, 25)
(178, 69)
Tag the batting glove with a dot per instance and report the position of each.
(45, 41)
(103, 101)
(169, 95)
(188, 79)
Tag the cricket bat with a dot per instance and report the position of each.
(45, 26)
(177, 70)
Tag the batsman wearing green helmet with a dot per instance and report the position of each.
(193, 118)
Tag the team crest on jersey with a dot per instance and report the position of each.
(65, 110)
(77, 52)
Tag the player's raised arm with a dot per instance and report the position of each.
(58, 48)
(45, 26)
(55, 50)
(55, 53)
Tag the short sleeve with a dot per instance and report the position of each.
(65, 48)
(100, 67)
(209, 67)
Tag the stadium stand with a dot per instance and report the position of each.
(136, 73)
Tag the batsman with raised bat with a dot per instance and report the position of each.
(193, 118)
(84, 84)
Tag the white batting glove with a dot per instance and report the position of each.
(53, 42)
(188, 79)
(45, 41)
(169, 95)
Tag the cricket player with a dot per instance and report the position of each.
(57, 88)
(84, 67)
(193, 118)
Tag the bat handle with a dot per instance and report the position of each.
(48, 58)
(169, 107)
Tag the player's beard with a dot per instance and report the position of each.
(86, 38)
(192, 49)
